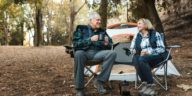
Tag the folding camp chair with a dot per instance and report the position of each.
(89, 63)
(163, 64)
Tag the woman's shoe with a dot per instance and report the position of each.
(80, 93)
(150, 91)
(143, 88)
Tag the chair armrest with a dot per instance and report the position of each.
(68, 46)
(173, 46)
(115, 44)
(69, 50)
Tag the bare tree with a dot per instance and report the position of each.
(73, 13)
(153, 15)
(147, 9)
(38, 32)
(5, 27)
(103, 12)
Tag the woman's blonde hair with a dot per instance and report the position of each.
(147, 23)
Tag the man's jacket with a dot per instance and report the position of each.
(82, 39)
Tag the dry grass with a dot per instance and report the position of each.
(34, 71)
(47, 71)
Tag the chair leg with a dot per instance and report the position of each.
(156, 78)
(93, 75)
(86, 71)
(165, 74)
(137, 82)
(164, 86)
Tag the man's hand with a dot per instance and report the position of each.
(94, 38)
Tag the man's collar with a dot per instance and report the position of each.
(92, 28)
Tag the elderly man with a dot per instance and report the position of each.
(92, 43)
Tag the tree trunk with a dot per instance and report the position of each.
(22, 32)
(153, 15)
(71, 23)
(6, 34)
(48, 36)
(103, 13)
(127, 9)
(72, 20)
(5, 27)
(38, 32)
(49, 29)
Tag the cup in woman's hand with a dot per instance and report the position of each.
(144, 52)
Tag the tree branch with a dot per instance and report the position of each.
(80, 8)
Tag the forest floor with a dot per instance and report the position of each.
(48, 71)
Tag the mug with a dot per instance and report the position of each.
(101, 37)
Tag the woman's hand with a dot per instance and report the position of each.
(133, 51)
(144, 52)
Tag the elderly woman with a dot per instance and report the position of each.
(147, 46)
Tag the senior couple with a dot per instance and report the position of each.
(146, 47)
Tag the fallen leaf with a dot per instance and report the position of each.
(185, 87)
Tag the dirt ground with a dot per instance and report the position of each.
(48, 71)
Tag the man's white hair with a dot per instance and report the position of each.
(92, 15)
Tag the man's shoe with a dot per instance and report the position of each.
(99, 86)
(80, 93)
